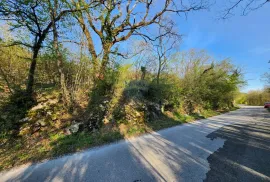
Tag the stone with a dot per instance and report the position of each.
(137, 114)
(35, 128)
(105, 121)
(24, 131)
(24, 120)
(74, 128)
(67, 132)
(37, 107)
(52, 101)
(58, 124)
(42, 122)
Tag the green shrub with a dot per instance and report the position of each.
(168, 92)
(136, 89)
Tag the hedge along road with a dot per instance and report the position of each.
(203, 150)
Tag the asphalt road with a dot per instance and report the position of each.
(245, 155)
(230, 147)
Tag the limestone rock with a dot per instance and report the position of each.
(41, 122)
(76, 127)
(24, 120)
(37, 107)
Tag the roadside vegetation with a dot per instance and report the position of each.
(67, 82)
(254, 98)
(49, 128)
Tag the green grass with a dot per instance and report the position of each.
(210, 113)
(178, 118)
(77, 142)
(165, 123)
(172, 120)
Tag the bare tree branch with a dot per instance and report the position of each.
(247, 7)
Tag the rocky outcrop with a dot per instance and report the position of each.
(74, 128)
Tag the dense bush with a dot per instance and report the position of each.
(167, 92)
(257, 98)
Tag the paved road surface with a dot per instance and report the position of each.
(229, 147)
(245, 155)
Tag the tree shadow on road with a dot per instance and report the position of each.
(245, 155)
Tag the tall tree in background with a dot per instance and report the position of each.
(164, 46)
(266, 79)
(54, 7)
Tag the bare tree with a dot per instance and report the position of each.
(115, 21)
(266, 78)
(165, 46)
(155, 55)
(144, 57)
(246, 5)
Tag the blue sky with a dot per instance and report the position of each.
(243, 39)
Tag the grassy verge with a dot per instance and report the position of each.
(21, 151)
(35, 148)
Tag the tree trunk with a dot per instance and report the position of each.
(65, 92)
(143, 70)
(62, 80)
(90, 44)
(98, 105)
(160, 64)
(105, 60)
(158, 73)
(104, 64)
(30, 82)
